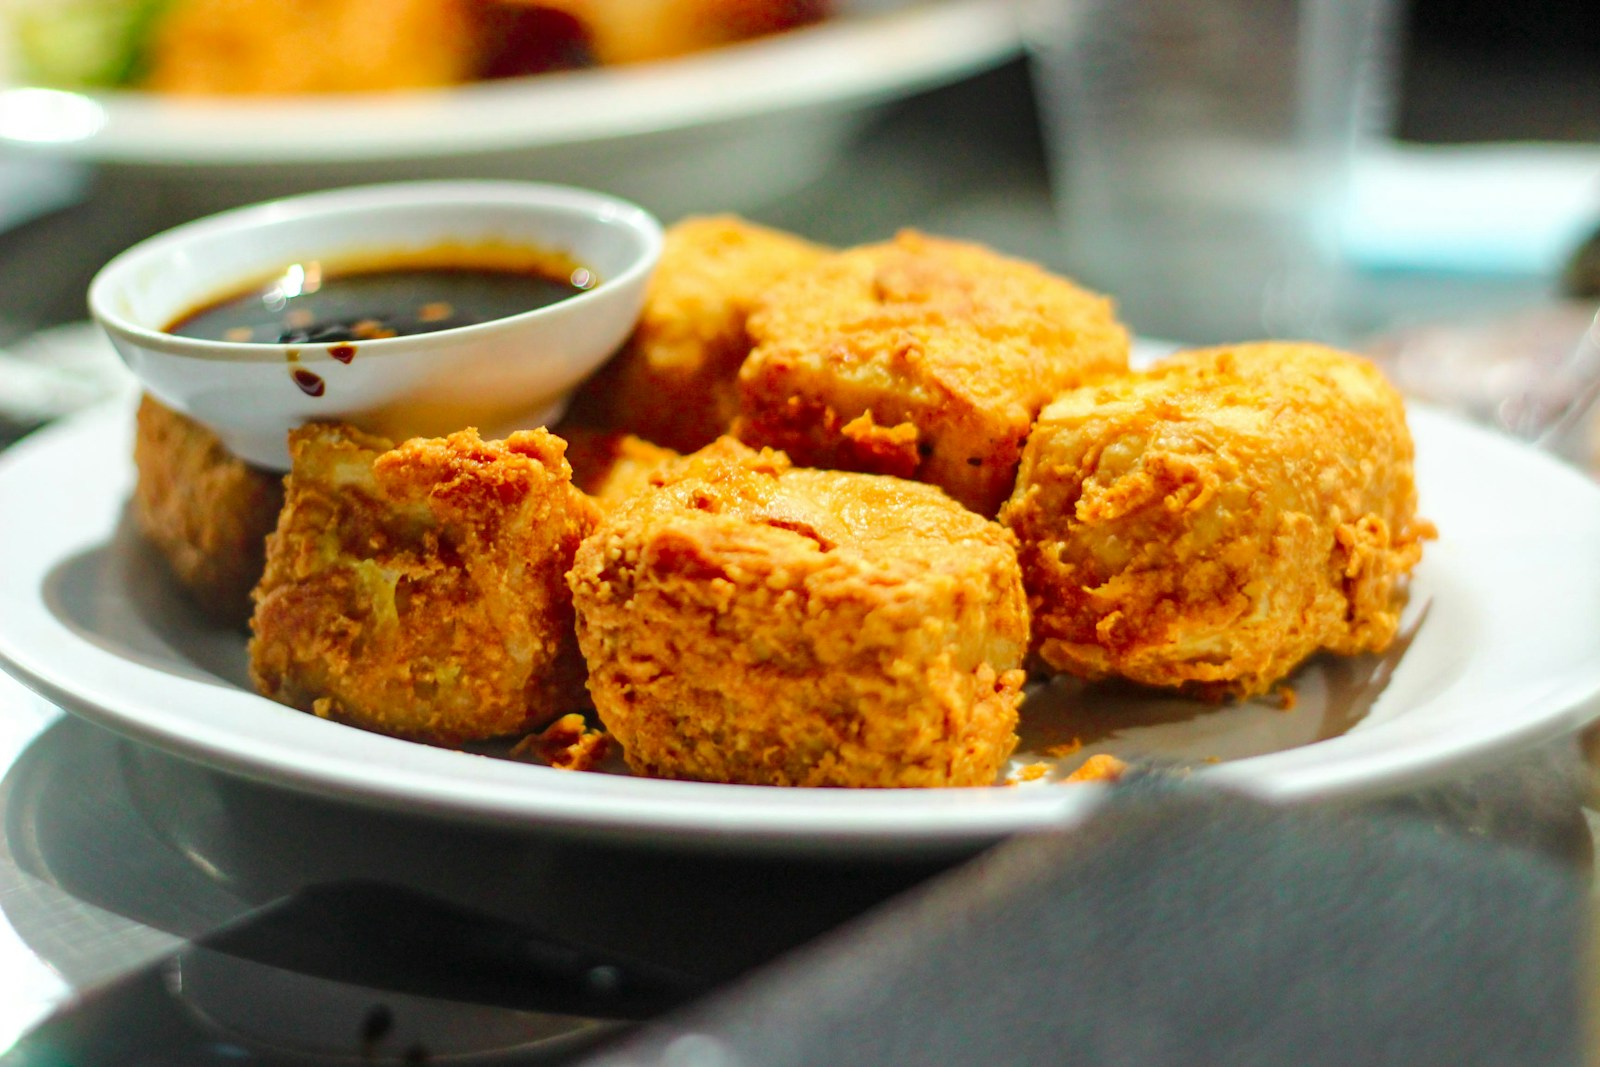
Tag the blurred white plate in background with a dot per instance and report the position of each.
(720, 130)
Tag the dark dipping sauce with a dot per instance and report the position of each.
(321, 303)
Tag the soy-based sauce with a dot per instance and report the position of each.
(418, 292)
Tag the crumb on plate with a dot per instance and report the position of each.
(568, 744)
(1098, 768)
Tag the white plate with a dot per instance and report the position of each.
(850, 59)
(774, 109)
(1504, 650)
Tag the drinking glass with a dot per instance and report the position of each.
(1201, 152)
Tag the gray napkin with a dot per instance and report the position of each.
(1181, 927)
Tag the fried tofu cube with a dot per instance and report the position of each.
(206, 511)
(420, 590)
(748, 621)
(1210, 524)
(674, 382)
(922, 358)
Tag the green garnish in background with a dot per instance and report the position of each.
(81, 43)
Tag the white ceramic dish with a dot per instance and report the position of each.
(1507, 652)
(724, 129)
(494, 375)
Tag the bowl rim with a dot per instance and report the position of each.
(600, 208)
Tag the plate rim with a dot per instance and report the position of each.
(852, 59)
(433, 781)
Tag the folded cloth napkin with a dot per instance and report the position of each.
(1181, 927)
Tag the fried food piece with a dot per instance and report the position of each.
(611, 467)
(1102, 767)
(568, 744)
(674, 381)
(206, 510)
(419, 591)
(311, 46)
(632, 31)
(1212, 523)
(922, 358)
(752, 622)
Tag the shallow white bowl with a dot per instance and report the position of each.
(498, 375)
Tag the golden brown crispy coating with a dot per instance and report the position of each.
(1212, 523)
(568, 744)
(206, 510)
(298, 46)
(1101, 767)
(611, 467)
(419, 590)
(674, 382)
(922, 358)
(753, 622)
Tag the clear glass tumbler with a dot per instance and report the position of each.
(1201, 152)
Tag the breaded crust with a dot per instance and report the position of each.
(674, 381)
(419, 590)
(920, 357)
(752, 622)
(1212, 523)
(207, 511)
